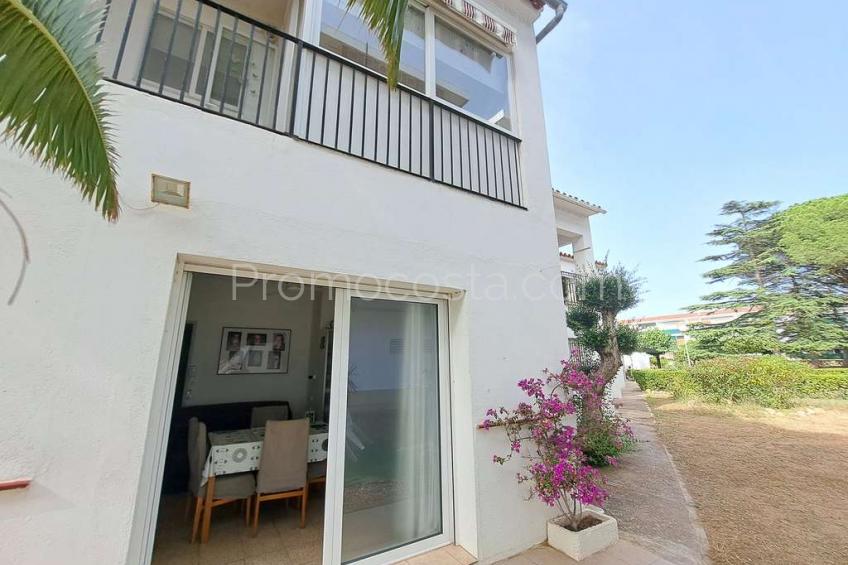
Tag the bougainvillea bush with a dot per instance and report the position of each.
(539, 433)
(602, 435)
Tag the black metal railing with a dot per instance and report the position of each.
(200, 53)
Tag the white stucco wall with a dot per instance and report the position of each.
(574, 232)
(82, 342)
(636, 360)
(616, 387)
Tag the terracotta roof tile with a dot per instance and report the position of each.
(565, 255)
(586, 202)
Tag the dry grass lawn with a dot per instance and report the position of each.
(771, 486)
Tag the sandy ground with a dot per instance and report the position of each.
(770, 486)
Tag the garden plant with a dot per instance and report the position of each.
(772, 381)
(538, 431)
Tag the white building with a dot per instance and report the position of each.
(677, 324)
(574, 232)
(577, 255)
(309, 189)
(574, 237)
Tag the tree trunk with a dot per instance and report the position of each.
(610, 355)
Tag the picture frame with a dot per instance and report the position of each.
(254, 351)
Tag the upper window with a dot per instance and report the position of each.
(197, 55)
(157, 51)
(344, 32)
(468, 74)
(223, 73)
(472, 76)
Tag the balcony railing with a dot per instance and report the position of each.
(211, 57)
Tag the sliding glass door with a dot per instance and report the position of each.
(391, 486)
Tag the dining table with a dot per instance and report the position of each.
(240, 451)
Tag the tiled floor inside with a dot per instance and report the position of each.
(279, 541)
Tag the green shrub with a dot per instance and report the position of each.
(767, 380)
(604, 440)
(823, 383)
(675, 381)
(655, 379)
(682, 385)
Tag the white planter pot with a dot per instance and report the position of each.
(579, 545)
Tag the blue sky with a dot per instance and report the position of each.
(661, 110)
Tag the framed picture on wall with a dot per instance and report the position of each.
(246, 351)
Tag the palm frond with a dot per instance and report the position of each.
(51, 101)
(386, 19)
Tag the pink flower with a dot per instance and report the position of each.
(555, 466)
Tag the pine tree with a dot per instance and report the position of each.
(786, 307)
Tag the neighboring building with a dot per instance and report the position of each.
(574, 236)
(574, 232)
(577, 255)
(678, 324)
(290, 188)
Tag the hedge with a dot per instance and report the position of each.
(657, 379)
(824, 383)
(766, 380)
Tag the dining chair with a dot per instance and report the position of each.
(283, 466)
(228, 488)
(261, 414)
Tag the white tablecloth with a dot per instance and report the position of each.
(239, 451)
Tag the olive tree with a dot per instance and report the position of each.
(601, 296)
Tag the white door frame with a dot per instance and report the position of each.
(145, 514)
(146, 511)
(333, 503)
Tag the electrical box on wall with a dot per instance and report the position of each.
(166, 190)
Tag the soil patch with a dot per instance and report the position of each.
(770, 485)
(585, 522)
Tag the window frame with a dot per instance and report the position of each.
(431, 12)
(423, 8)
(191, 83)
(205, 27)
(452, 22)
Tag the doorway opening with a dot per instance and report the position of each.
(250, 353)
(310, 424)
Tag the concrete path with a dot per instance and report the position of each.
(657, 524)
(647, 494)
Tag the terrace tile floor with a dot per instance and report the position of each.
(656, 519)
(622, 553)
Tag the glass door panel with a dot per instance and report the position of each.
(392, 494)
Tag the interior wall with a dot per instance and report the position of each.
(323, 312)
(211, 308)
